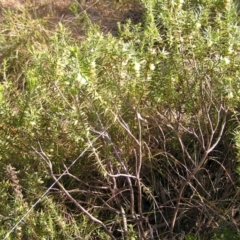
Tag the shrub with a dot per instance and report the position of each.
(125, 137)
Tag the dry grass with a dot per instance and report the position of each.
(105, 13)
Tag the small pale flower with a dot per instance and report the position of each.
(137, 66)
(198, 25)
(149, 77)
(32, 123)
(82, 80)
(125, 47)
(230, 95)
(124, 63)
(151, 66)
(226, 60)
(152, 51)
(93, 64)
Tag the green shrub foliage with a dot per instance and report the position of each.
(127, 137)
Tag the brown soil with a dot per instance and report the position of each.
(76, 14)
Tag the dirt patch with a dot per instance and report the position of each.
(77, 15)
